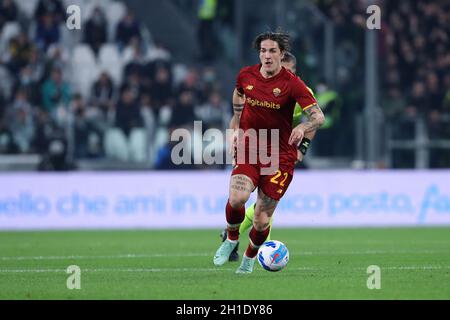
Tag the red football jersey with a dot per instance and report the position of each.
(269, 104)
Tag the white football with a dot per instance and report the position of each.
(273, 255)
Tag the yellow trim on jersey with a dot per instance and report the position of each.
(311, 105)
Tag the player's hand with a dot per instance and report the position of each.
(296, 135)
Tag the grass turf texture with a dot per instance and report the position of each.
(177, 264)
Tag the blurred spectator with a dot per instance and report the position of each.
(47, 32)
(393, 103)
(332, 140)
(20, 122)
(54, 157)
(102, 93)
(418, 100)
(128, 114)
(136, 60)
(183, 112)
(192, 82)
(87, 139)
(56, 96)
(133, 84)
(96, 30)
(44, 127)
(57, 57)
(50, 7)
(20, 49)
(161, 89)
(206, 35)
(37, 65)
(215, 113)
(127, 29)
(127, 141)
(25, 82)
(210, 81)
(30, 78)
(434, 91)
(8, 12)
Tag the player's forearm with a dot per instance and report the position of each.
(315, 120)
(238, 106)
(310, 135)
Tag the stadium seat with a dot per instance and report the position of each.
(69, 38)
(109, 53)
(27, 7)
(110, 60)
(155, 53)
(179, 72)
(138, 145)
(83, 78)
(115, 144)
(118, 146)
(9, 31)
(84, 69)
(83, 54)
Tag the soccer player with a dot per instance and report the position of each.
(290, 63)
(264, 99)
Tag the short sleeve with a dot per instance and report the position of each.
(239, 84)
(302, 94)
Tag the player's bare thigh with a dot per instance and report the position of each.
(241, 188)
(264, 209)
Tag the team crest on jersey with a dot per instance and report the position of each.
(276, 92)
(249, 87)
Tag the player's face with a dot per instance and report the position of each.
(270, 56)
(290, 66)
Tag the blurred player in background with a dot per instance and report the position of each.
(264, 99)
(290, 63)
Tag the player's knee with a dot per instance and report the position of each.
(237, 200)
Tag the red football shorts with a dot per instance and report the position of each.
(274, 185)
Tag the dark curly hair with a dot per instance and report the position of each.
(283, 39)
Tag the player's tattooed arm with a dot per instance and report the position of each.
(238, 106)
(315, 121)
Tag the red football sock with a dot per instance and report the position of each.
(257, 238)
(234, 220)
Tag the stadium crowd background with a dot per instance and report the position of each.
(112, 92)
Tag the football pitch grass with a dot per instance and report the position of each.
(177, 265)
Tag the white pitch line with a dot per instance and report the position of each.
(153, 270)
(372, 252)
(117, 256)
(165, 255)
(117, 270)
